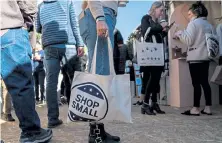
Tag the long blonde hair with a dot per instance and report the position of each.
(155, 5)
(84, 4)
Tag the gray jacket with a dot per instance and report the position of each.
(17, 13)
(194, 37)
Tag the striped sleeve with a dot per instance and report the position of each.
(75, 26)
(37, 23)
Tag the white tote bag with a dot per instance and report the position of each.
(98, 97)
(213, 47)
(149, 54)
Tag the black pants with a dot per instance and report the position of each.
(39, 78)
(199, 74)
(62, 86)
(151, 80)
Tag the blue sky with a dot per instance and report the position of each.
(129, 17)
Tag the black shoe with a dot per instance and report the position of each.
(99, 135)
(203, 112)
(188, 113)
(145, 109)
(55, 123)
(138, 103)
(41, 136)
(156, 108)
(8, 117)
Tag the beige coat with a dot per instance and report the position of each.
(96, 7)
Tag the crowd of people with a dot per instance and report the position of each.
(64, 36)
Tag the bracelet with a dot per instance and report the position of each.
(101, 18)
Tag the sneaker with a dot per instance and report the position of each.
(54, 124)
(41, 136)
(8, 117)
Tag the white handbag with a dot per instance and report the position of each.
(213, 46)
(149, 54)
(98, 97)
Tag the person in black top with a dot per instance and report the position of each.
(152, 74)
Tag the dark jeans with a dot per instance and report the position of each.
(39, 77)
(16, 71)
(199, 74)
(70, 63)
(151, 80)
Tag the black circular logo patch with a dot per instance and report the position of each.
(88, 103)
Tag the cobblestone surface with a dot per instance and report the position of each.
(169, 128)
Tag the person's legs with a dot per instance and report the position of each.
(16, 66)
(155, 75)
(16, 71)
(204, 74)
(156, 72)
(52, 65)
(89, 36)
(145, 80)
(42, 84)
(195, 77)
(7, 105)
(62, 86)
(155, 94)
(36, 80)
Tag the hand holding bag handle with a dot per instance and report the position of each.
(110, 54)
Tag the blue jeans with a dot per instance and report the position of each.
(89, 35)
(54, 58)
(16, 71)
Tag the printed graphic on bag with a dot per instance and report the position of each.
(88, 104)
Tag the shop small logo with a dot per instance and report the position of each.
(88, 103)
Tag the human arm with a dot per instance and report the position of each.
(28, 9)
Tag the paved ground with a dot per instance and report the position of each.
(169, 128)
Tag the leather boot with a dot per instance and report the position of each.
(145, 109)
(156, 107)
(99, 135)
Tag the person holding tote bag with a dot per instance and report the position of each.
(152, 74)
(197, 55)
(97, 22)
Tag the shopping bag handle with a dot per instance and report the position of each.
(147, 33)
(110, 54)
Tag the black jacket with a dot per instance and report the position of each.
(156, 29)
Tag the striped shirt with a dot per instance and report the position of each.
(57, 21)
